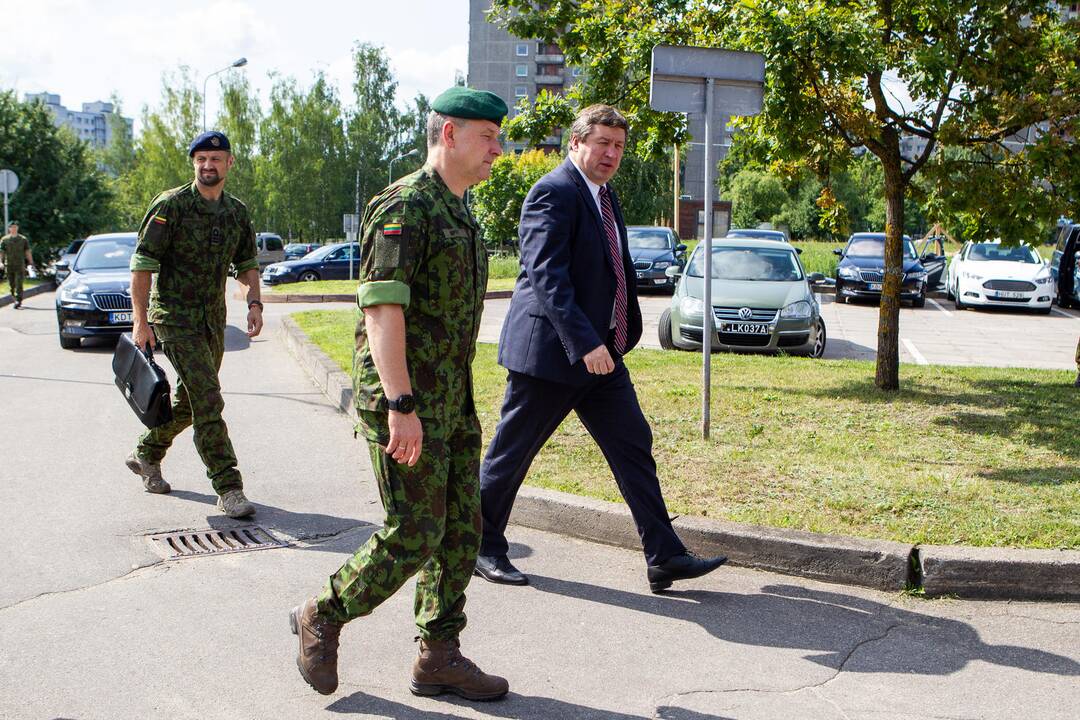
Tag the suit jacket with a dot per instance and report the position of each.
(563, 298)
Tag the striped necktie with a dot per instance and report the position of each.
(615, 251)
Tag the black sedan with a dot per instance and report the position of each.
(654, 250)
(329, 262)
(95, 298)
(861, 272)
(295, 251)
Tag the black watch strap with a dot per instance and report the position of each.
(404, 404)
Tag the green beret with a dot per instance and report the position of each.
(463, 102)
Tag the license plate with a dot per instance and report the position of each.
(745, 328)
(119, 318)
(873, 286)
(1010, 295)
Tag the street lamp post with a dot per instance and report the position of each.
(238, 63)
(390, 171)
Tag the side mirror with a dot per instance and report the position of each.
(673, 272)
(929, 256)
(63, 265)
(798, 250)
(838, 252)
(680, 248)
(816, 277)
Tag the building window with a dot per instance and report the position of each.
(521, 91)
(521, 70)
(522, 50)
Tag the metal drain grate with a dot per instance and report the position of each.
(194, 543)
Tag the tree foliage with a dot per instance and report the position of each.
(497, 201)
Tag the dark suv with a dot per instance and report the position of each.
(95, 298)
(861, 272)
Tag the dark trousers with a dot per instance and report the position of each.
(608, 408)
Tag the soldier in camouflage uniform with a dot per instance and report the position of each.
(422, 284)
(189, 238)
(15, 257)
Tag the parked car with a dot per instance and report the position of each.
(761, 301)
(295, 251)
(95, 298)
(991, 273)
(329, 262)
(777, 235)
(931, 250)
(654, 250)
(1065, 265)
(271, 248)
(861, 271)
(63, 265)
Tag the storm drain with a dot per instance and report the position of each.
(195, 543)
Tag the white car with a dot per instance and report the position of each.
(989, 273)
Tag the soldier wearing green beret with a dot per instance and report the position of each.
(422, 283)
(188, 240)
(15, 257)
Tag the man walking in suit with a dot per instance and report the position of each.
(573, 316)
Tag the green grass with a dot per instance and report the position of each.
(974, 456)
(348, 287)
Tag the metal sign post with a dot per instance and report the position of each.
(717, 83)
(9, 182)
(351, 224)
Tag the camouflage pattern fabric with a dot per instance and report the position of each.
(421, 249)
(190, 244)
(13, 248)
(432, 528)
(197, 401)
(1078, 354)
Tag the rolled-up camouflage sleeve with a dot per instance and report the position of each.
(247, 254)
(394, 234)
(154, 237)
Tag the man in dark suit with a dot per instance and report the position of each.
(574, 314)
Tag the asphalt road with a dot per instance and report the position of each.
(96, 624)
(936, 334)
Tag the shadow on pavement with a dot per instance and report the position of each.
(846, 350)
(831, 625)
(236, 339)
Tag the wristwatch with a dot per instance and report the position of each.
(404, 404)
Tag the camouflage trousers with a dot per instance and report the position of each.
(196, 357)
(432, 529)
(15, 280)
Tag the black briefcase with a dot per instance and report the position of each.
(142, 382)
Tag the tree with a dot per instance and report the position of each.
(497, 201)
(239, 119)
(62, 195)
(976, 73)
(756, 197)
(375, 125)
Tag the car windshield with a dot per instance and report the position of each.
(746, 263)
(321, 252)
(647, 239)
(986, 252)
(106, 254)
(874, 246)
(760, 234)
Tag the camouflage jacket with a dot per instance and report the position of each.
(13, 248)
(190, 244)
(421, 249)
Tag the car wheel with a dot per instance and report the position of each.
(309, 276)
(957, 302)
(68, 343)
(840, 292)
(819, 341)
(921, 300)
(664, 331)
(948, 292)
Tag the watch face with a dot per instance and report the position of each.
(406, 404)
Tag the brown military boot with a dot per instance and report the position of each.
(441, 667)
(149, 472)
(318, 636)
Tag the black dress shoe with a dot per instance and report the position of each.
(497, 569)
(681, 567)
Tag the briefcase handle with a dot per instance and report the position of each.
(148, 351)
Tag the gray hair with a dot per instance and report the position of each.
(435, 123)
(595, 115)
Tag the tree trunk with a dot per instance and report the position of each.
(887, 376)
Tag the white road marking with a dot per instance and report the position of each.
(919, 359)
(1064, 313)
(939, 306)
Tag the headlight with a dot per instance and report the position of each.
(661, 264)
(798, 310)
(848, 273)
(970, 275)
(920, 275)
(690, 306)
(1042, 280)
(77, 294)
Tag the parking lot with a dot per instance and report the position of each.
(936, 334)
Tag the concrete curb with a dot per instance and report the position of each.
(278, 298)
(999, 573)
(27, 293)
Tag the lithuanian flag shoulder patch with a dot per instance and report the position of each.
(391, 229)
(159, 219)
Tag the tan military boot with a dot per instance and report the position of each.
(235, 504)
(441, 667)
(318, 637)
(149, 472)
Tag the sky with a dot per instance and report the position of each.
(87, 50)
